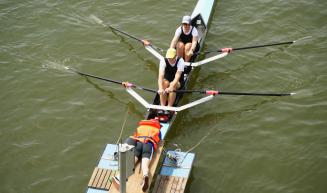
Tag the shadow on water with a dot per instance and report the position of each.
(60, 67)
(253, 62)
(210, 120)
(111, 95)
(152, 66)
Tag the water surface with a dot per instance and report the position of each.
(54, 124)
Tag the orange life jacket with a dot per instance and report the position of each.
(148, 130)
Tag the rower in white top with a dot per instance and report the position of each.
(186, 39)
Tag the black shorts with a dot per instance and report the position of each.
(142, 150)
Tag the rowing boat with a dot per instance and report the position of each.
(200, 19)
(108, 165)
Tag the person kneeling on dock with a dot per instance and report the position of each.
(170, 77)
(145, 139)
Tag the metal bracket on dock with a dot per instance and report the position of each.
(126, 164)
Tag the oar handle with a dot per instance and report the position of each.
(146, 89)
(189, 91)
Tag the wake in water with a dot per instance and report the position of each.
(302, 40)
(56, 66)
(94, 19)
(303, 93)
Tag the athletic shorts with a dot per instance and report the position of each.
(141, 150)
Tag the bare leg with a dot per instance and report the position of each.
(171, 99)
(172, 96)
(180, 49)
(163, 97)
(188, 47)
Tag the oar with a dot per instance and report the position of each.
(144, 42)
(255, 46)
(216, 92)
(208, 92)
(126, 84)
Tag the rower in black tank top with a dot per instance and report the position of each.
(186, 38)
(170, 71)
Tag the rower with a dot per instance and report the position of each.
(170, 77)
(185, 39)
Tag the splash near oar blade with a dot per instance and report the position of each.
(97, 20)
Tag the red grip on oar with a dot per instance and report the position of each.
(228, 50)
(146, 42)
(212, 92)
(127, 84)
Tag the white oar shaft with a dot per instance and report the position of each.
(197, 102)
(216, 57)
(159, 107)
(154, 52)
(137, 97)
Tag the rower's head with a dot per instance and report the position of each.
(186, 21)
(171, 53)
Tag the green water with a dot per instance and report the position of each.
(54, 124)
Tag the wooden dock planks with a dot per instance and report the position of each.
(169, 184)
(174, 175)
(100, 178)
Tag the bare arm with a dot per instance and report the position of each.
(160, 82)
(194, 42)
(173, 84)
(174, 42)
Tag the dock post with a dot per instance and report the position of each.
(126, 164)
